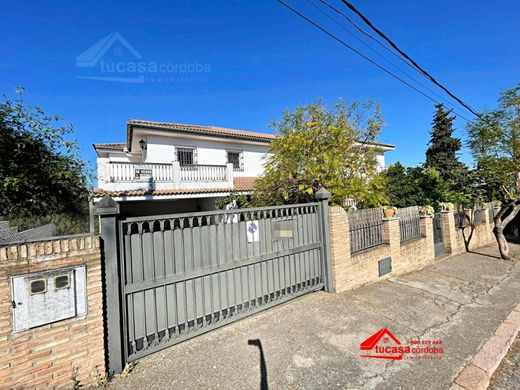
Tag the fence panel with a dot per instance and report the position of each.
(409, 223)
(366, 229)
(184, 274)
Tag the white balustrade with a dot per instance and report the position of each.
(158, 172)
(206, 173)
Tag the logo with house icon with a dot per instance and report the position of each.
(383, 345)
(111, 59)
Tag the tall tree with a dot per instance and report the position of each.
(414, 186)
(321, 147)
(41, 173)
(443, 148)
(494, 139)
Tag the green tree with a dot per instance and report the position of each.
(41, 173)
(494, 139)
(318, 148)
(443, 148)
(414, 186)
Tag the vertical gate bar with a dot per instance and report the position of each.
(108, 210)
(323, 197)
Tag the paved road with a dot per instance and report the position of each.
(314, 342)
(507, 376)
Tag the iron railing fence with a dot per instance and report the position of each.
(463, 217)
(365, 228)
(409, 223)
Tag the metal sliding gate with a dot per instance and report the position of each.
(185, 274)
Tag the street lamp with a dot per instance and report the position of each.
(142, 144)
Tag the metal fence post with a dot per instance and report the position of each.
(323, 197)
(108, 209)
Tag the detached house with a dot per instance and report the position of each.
(172, 168)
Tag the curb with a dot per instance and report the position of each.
(477, 374)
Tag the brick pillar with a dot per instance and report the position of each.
(340, 247)
(392, 236)
(449, 233)
(427, 232)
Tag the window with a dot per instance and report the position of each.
(61, 282)
(38, 286)
(236, 159)
(186, 156)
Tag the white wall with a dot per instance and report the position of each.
(162, 150)
(380, 157)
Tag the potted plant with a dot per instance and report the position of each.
(389, 211)
(447, 206)
(426, 211)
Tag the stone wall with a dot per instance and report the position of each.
(46, 356)
(354, 270)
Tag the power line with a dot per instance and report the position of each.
(371, 37)
(357, 52)
(429, 76)
(450, 104)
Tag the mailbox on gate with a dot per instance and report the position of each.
(44, 297)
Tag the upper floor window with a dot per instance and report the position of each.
(186, 156)
(236, 158)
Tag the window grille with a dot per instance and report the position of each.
(236, 159)
(185, 156)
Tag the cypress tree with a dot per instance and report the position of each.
(443, 148)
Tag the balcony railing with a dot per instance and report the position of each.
(167, 175)
(203, 172)
(128, 172)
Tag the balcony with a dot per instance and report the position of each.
(115, 176)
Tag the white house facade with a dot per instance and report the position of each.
(173, 162)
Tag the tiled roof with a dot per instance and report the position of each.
(243, 183)
(110, 146)
(240, 184)
(208, 130)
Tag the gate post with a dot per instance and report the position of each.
(323, 196)
(108, 209)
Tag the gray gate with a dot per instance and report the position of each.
(437, 235)
(185, 274)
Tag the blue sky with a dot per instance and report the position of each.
(259, 59)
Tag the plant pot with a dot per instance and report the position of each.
(389, 213)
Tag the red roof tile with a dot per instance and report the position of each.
(211, 130)
(240, 184)
(114, 146)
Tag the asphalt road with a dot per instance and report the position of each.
(314, 342)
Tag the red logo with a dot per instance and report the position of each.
(384, 345)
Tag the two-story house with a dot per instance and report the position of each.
(173, 168)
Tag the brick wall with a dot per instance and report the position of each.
(354, 270)
(45, 356)
(454, 238)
